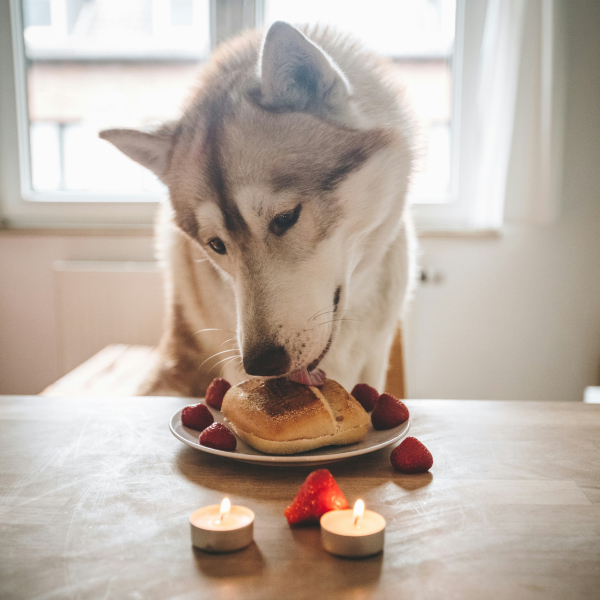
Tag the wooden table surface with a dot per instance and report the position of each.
(96, 495)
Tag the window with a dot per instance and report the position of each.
(418, 35)
(79, 66)
(96, 64)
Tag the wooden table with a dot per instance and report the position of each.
(96, 495)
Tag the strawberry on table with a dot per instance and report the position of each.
(411, 456)
(366, 395)
(388, 412)
(197, 416)
(219, 437)
(216, 391)
(319, 494)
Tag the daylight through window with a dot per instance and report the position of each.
(96, 64)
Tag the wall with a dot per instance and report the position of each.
(518, 317)
(515, 317)
(29, 341)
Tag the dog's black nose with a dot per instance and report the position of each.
(269, 361)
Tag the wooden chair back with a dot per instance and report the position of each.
(395, 381)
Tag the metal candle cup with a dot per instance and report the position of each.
(222, 528)
(353, 533)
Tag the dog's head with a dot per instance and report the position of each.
(269, 172)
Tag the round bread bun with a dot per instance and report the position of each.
(279, 416)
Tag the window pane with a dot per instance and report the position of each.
(36, 12)
(95, 64)
(419, 37)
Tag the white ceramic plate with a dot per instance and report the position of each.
(375, 440)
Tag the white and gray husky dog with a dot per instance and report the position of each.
(287, 234)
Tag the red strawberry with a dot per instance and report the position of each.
(411, 457)
(219, 437)
(196, 416)
(216, 390)
(319, 494)
(366, 395)
(388, 412)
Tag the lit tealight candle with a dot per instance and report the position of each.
(357, 532)
(222, 528)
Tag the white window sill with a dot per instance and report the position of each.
(148, 230)
(472, 233)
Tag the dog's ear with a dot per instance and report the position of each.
(297, 75)
(150, 149)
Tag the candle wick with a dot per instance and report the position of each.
(356, 521)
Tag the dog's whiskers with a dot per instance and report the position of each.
(212, 329)
(221, 361)
(320, 311)
(240, 363)
(332, 308)
(336, 321)
(335, 311)
(216, 354)
(225, 364)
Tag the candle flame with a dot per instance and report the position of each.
(225, 508)
(359, 509)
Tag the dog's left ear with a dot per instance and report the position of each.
(150, 149)
(297, 75)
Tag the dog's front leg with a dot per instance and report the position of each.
(178, 371)
(199, 341)
(378, 364)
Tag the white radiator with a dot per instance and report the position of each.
(100, 303)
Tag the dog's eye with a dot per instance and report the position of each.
(282, 222)
(217, 245)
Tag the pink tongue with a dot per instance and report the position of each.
(316, 377)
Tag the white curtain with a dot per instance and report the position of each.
(506, 24)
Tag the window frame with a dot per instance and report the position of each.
(22, 206)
